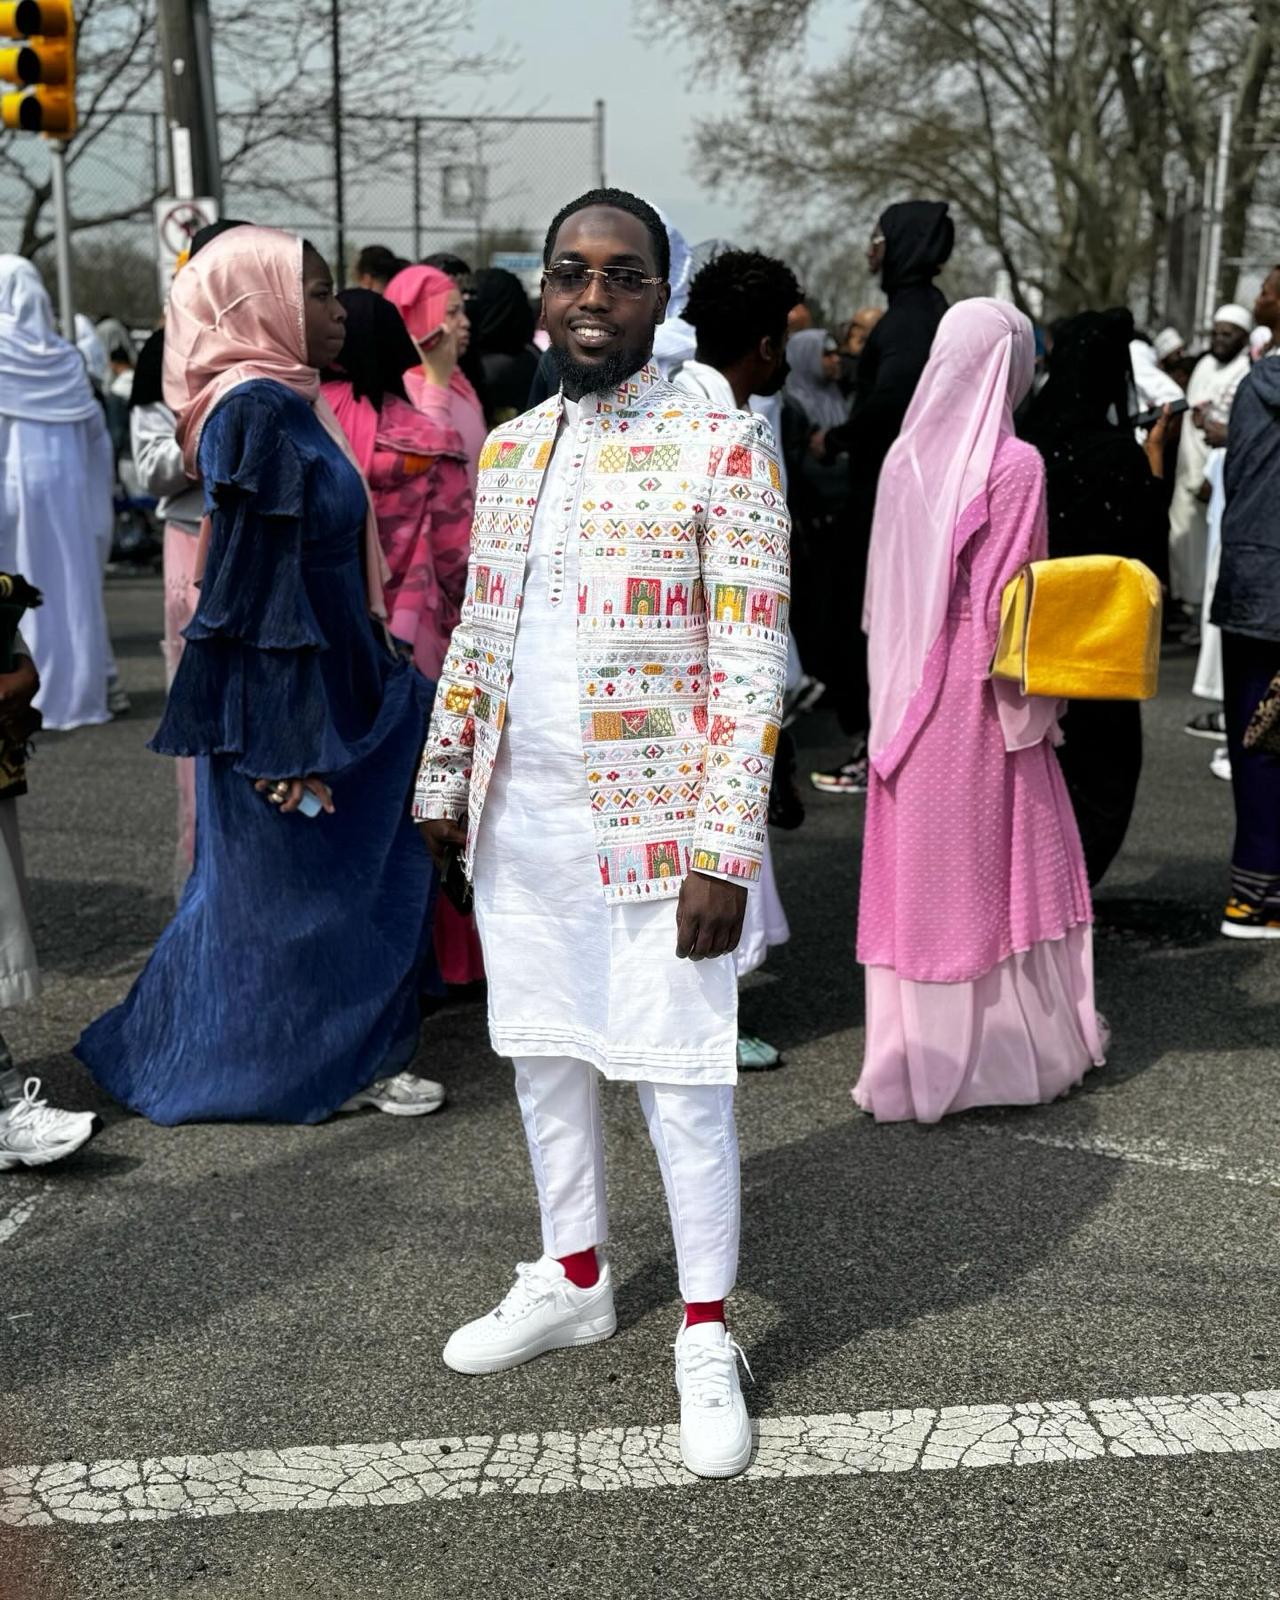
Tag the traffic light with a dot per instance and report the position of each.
(44, 62)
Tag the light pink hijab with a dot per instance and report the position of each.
(237, 313)
(931, 500)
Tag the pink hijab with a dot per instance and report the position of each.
(236, 313)
(931, 500)
(420, 295)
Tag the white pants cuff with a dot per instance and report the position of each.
(695, 1137)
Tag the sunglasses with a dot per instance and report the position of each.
(566, 279)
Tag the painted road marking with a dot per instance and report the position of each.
(336, 1477)
(14, 1218)
(1150, 1153)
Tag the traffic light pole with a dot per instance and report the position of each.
(62, 236)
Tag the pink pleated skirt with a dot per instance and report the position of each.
(1023, 1033)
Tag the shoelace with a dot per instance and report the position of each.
(34, 1113)
(532, 1284)
(708, 1371)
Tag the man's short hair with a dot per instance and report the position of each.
(377, 261)
(737, 299)
(453, 266)
(617, 200)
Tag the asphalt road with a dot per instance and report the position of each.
(209, 1291)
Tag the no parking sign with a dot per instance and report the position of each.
(177, 223)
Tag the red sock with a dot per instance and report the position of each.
(696, 1311)
(581, 1268)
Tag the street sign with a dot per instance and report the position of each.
(177, 223)
(526, 264)
(463, 190)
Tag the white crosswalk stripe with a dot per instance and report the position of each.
(334, 1477)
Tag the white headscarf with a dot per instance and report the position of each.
(93, 350)
(42, 377)
(674, 341)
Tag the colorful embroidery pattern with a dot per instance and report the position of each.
(682, 614)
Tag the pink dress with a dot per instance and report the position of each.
(423, 500)
(458, 407)
(975, 916)
(423, 504)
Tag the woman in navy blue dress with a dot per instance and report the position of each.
(286, 987)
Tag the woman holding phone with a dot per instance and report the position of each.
(431, 304)
(286, 986)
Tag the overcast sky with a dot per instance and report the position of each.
(571, 58)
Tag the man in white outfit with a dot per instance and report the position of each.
(1209, 394)
(606, 723)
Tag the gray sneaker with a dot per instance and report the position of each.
(402, 1095)
(34, 1134)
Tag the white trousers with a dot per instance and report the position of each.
(696, 1139)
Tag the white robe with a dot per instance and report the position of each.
(55, 499)
(1213, 384)
(55, 529)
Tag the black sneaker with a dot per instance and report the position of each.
(1244, 921)
(851, 778)
(1208, 725)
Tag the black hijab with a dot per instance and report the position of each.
(502, 319)
(378, 349)
(1103, 498)
(148, 371)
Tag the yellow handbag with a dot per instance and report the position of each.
(1081, 628)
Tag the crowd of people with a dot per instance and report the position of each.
(485, 629)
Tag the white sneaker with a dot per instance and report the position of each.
(543, 1311)
(715, 1431)
(1220, 766)
(403, 1095)
(33, 1134)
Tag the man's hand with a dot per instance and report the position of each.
(1215, 432)
(709, 917)
(441, 832)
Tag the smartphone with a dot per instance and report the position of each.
(309, 805)
(431, 340)
(1148, 419)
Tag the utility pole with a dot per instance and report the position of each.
(1213, 252)
(339, 190)
(190, 102)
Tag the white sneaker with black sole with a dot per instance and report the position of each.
(402, 1095)
(715, 1431)
(35, 1134)
(542, 1311)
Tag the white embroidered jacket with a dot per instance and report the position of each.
(682, 607)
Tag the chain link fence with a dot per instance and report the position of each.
(474, 185)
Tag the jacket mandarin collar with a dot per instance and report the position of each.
(626, 397)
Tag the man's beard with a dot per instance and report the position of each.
(596, 377)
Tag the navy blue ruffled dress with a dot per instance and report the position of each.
(289, 976)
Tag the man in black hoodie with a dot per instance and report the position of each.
(1246, 606)
(911, 244)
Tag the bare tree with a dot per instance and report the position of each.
(275, 91)
(116, 66)
(1049, 123)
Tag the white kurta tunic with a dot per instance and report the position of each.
(568, 974)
